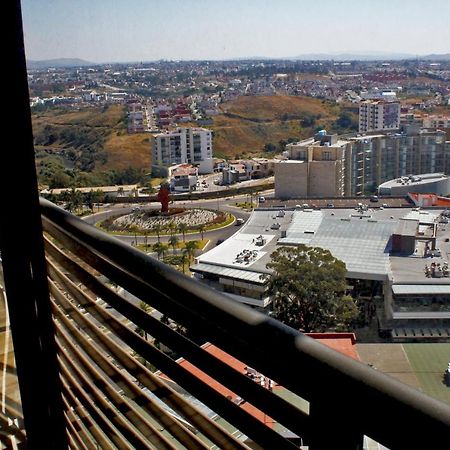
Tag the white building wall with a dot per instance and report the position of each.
(179, 147)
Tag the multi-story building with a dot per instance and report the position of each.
(317, 167)
(181, 146)
(436, 122)
(378, 115)
(331, 166)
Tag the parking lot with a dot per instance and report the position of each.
(387, 202)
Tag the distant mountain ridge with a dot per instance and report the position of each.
(58, 62)
(363, 56)
(371, 56)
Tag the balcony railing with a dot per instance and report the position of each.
(89, 360)
(112, 399)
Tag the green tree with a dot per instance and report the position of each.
(157, 228)
(74, 200)
(308, 287)
(183, 228)
(172, 227)
(190, 248)
(160, 249)
(202, 228)
(173, 242)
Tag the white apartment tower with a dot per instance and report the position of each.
(378, 115)
(183, 146)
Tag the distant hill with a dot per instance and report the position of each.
(58, 62)
(363, 56)
(366, 56)
(433, 57)
(249, 122)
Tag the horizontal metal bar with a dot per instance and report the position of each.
(97, 433)
(129, 388)
(93, 399)
(129, 417)
(77, 431)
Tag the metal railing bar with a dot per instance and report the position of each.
(86, 419)
(71, 420)
(209, 428)
(369, 387)
(11, 429)
(72, 444)
(175, 428)
(129, 438)
(132, 424)
(270, 403)
(227, 409)
(136, 422)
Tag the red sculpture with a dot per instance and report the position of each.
(163, 198)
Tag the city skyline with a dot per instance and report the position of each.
(203, 30)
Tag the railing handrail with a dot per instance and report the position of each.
(332, 380)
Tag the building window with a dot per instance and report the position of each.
(326, 156)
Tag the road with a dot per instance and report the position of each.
(213, 236)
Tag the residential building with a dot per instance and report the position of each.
(183, 178)
(317, 167)
(378, 115)
(436, 122)
(183, 146)
(358, 164)
(247, 169)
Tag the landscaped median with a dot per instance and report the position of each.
(176, 221)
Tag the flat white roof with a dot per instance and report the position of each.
(364, 244)
(245, 275)
(421, 289)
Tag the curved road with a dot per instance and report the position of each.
(213, 236)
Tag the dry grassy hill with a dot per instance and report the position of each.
(122, 149)
(249, 122)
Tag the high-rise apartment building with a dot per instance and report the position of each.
(329, 166)
(378, 115)
(381, 157)
(181, 146)
(318, 167)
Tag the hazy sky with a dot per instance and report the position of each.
(146, 30)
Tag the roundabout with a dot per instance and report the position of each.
(184, 220)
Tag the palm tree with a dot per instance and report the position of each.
(157, 228)
(159, 249)
(190, 247)
(183, 228)
(183, 259)
(202, 228)
(173, 242)
(146, 238)
(172, 228)
(75, 200)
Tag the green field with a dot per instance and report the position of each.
(429, 362)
